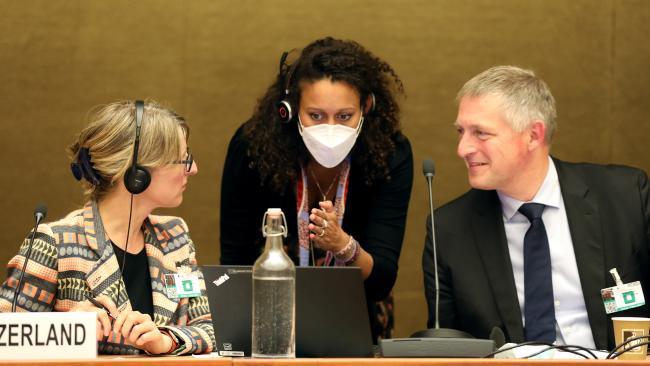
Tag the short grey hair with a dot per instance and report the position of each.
(523, 96)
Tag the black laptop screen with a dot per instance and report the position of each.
(331, 311)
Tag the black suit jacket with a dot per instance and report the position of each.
(608, 211)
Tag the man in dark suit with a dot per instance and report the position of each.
(536, 277)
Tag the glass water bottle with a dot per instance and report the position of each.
(274, 289)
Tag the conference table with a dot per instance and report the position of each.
(227, 361)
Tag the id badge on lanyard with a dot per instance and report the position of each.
(623, 296)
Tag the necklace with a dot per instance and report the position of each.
(318, 184)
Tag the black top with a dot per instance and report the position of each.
(374, 215)
(137, 279)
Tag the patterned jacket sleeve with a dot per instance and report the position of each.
(193, 332)
(38, 292)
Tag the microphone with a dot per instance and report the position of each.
(429, 170)
(40, 212)
(39, 215)
(436, 342)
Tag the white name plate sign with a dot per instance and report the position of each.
(68, 335)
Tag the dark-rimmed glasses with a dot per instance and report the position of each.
(188, 161)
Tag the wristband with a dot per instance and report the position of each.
(349, 253)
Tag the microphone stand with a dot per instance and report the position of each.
(429, 177)
(39, 214)
(436, 342)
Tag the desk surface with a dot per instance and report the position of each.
(226, 361)
(423, 362)
(105, 360)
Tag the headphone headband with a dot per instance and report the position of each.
(292, 68)
(139, 112)
(137, 178)
(283, 60)
(283, 106)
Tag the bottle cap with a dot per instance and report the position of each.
(274, 211)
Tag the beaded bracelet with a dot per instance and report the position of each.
(349, 253)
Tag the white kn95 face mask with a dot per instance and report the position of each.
(329, 144)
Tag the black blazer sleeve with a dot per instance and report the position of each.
(240, 206)
(644, 193)
(376, 217)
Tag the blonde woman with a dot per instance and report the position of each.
(113, 256)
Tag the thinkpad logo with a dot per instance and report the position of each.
(219, 281)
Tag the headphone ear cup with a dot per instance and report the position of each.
(284, 111)
(137, 179)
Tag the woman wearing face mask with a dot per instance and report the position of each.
(324, 144)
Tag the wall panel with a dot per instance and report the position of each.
(211, 60)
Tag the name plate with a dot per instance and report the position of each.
(66, 335)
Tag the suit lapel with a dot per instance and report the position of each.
(104, 277)
(159, 267)
(586, 235)
(490, 239)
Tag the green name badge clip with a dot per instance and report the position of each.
(180, 285)
(623, 296)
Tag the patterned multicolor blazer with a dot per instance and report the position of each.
(72, 259)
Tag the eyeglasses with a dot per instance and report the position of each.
(188, 161)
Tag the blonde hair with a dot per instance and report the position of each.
(524, 97)
(110, 136)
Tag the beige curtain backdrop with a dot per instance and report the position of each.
(211, 59)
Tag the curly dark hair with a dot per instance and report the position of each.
(273, 146)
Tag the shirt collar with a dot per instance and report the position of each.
(548, 194)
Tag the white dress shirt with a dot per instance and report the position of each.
(572, 324)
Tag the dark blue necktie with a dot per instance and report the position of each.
(539, 311)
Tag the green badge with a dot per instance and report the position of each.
(187, 286)
(628, 297)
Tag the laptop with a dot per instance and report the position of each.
(331, 311)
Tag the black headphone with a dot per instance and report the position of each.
(137, 178)
(285, 112)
